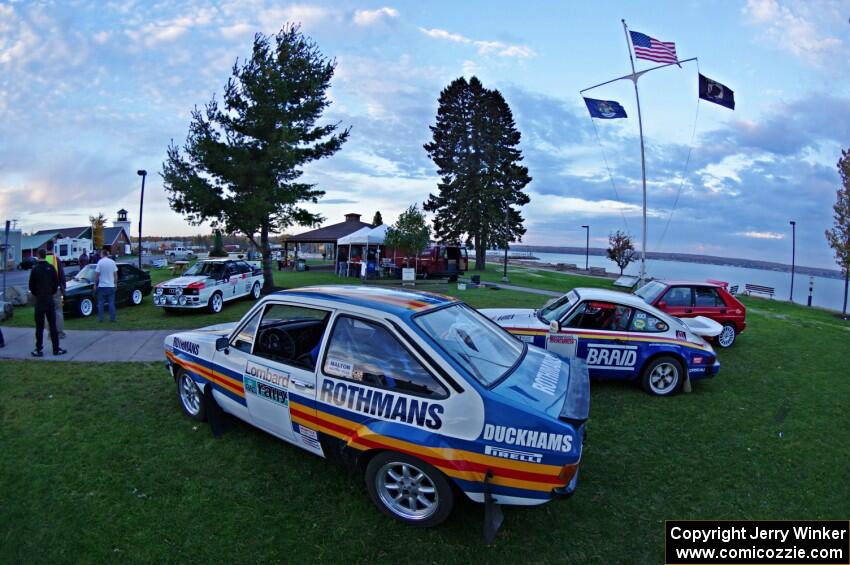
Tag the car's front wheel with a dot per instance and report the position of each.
(191, 398)
(409, 490)
(663, 376)
(136, 297)
(255, 291)
(86, 307)
(727, 336)
(216, 303)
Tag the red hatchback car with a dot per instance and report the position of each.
(690, 299)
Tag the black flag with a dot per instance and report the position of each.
(713, 91)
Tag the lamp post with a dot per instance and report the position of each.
(793, 254)
(587, 248)
(142, 173)
(505, 272)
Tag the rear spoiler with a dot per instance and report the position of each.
(577, 402)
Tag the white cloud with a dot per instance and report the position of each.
(761, 234)
(793, 29)
(372, 17)
(549, 205)
(273, 19)
(484, 47)
(236, 30)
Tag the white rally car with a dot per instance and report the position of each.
(418, 392)
(208, 284)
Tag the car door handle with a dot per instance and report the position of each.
(723, 310)
(302, 384)
(688, 311)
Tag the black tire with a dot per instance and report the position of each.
(86, 307)
(728, 336)
(420, 475)
(663, 376)
(190, 397)
(216, 303)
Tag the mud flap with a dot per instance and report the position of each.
(219, 421)
(493, 516)
(686, 386)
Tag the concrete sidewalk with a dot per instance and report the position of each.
(89, 346)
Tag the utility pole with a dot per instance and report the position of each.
(505, 272)
(587, 249)
(142, 173)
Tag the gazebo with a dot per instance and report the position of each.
(328, 235)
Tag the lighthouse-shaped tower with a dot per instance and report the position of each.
(122, 221)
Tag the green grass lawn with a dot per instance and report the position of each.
(98, 464)
(540, 278)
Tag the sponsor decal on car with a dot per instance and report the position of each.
(339, 368)
(185, 345)
(619, 357)
(264, 373)
(565, 339)
(266, 391)
(513, 454)
(382, 404)
(528, 438)
(548, 375)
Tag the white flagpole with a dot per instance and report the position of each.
(634, 78)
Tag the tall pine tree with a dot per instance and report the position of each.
(475, 145)
(240, 167)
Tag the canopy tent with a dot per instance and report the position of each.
(363, 237)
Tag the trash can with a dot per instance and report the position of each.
(300, 265)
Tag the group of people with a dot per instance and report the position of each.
(47, 285)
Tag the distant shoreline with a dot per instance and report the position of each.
(692, 258)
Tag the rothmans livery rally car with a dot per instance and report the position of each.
(209, 284)
(620, 337)
(417, 391)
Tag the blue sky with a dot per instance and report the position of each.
(92, 91)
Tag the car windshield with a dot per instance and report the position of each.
(650, 291)
(557, 309)
(86, 274)
(203, 268)
(478, 345)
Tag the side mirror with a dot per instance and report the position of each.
(222, 343)
(554, 327)
(662, 305)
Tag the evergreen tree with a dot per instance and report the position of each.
(839, 236)
(240, 166)
(475, 145)
(218, 245)
(377, 220)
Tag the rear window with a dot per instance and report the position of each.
(650, 291)
(475, 343)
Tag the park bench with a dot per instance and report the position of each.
(599, 271)
(733, 290)
(759, 289)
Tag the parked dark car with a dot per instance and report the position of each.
(80, 299)
(27, 263)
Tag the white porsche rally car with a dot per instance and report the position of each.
(208, 284)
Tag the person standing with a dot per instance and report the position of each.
(43, 284)
(84, 260)
(53, 260)
(106, 281)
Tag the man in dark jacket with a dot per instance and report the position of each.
(44, 283)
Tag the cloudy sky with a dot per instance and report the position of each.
(92, 91)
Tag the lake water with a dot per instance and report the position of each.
(827, 293)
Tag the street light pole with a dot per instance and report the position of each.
(793, 254)
(505, 272)
(587, 249)
(142, 173)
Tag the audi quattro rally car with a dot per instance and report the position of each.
(208, 284)
(620, 337)
(418, 391)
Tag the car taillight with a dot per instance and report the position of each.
(567, 472)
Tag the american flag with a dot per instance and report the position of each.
(650, 48)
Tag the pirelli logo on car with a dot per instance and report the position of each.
(513, 454)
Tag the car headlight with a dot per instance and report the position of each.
(178, 292)
(158, 291)
(182, 301)
(172, 300)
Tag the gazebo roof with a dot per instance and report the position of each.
(330, 234)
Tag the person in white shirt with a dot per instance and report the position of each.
(106, 281)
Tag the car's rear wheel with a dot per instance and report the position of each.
(255, 291)
(409, 490)
(136, 297)
(86, 307)
(191, 398)
(663, 376)
(727, 336)
(216, 303)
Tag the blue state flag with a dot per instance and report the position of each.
(605, 109)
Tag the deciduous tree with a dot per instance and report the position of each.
(621, 250)
(97, 224)
(475, 145)
(410, 234)
(839, 236)
(241, 164)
